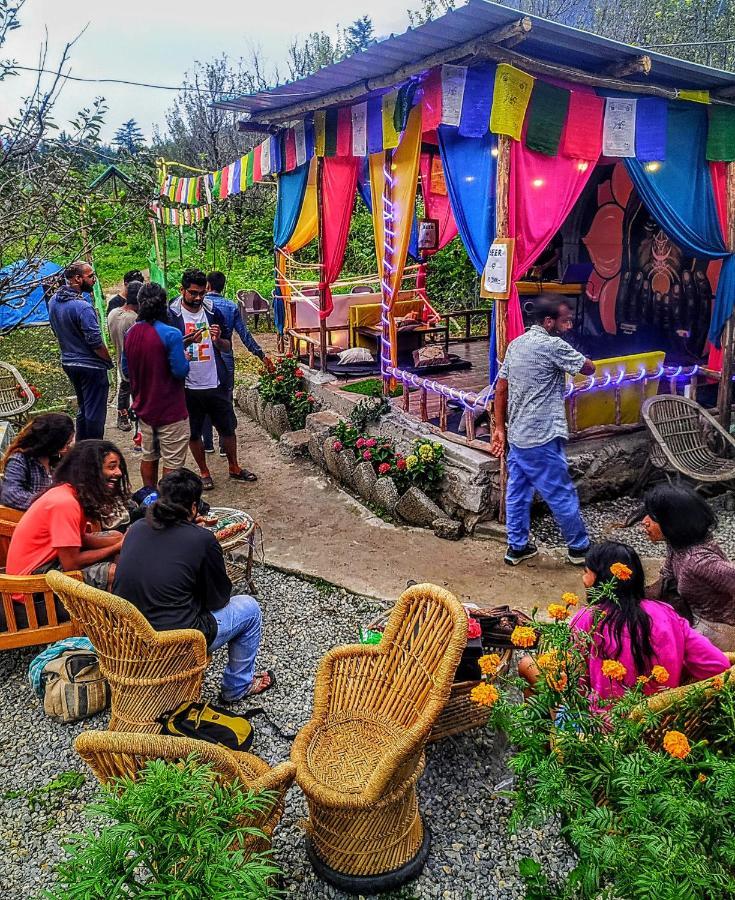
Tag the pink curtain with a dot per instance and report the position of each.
(339, 182)
(718, 174)
(436, 203)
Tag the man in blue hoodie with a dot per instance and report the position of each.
(84, 356)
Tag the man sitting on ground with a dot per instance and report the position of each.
(55, 533)
(173, 571)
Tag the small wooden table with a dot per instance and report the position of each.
(421, 332)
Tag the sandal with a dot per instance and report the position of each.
(256, 687)
(243, 475)
(207, 483)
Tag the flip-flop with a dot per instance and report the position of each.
(243, 475)
(207, 483)
(258, 680)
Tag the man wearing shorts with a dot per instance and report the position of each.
(156, 366)
(206, 338)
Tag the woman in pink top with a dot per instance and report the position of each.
(639, 633)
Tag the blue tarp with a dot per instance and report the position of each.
(24, 305)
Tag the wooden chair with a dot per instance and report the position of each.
(9, 518)
(682, 438)
(26, 600)
(114, 755)
(252, 303)
(150, 672)
(360, 756)
(16, 397)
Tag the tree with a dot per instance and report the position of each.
(429, 9)
(359, 35)
(128, 138)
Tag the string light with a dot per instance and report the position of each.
(388, 269)
(582, 166)
(652, 167)
(538, 182)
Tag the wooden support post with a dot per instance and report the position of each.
(423, 405)
(502, 230)
(322, 290)
(469, 424)
(164, 248)
(443, 413)
(618, 405)
(156, 248)
(724, 393)
(406, 398)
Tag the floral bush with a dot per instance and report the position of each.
(422, 467)
(648, 816)
(285, 384)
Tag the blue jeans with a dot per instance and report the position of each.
(91, 387)
(239, 625)
(543, 469)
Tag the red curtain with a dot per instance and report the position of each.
(338, 185)
(718, 173)
(436, 200)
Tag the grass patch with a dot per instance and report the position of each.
(370, 387)
(35, 353)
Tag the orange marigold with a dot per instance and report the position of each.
(621, 571)
(489, 663)
(642, 679)
(570, 599)
(523, 636)
(701, 778)
(676, 744)
(484, 694)
(557, 680)
(614, 670)
(660, 674)
(557, 612)
(718, 682)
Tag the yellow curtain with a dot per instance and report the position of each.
(307, 226)
(405, 170)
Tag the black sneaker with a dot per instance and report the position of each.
(123, 423)
(577, 557)
(513, 557)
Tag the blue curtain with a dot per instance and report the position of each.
(289, 199)
(470, 170)
(679, 196)
(363, 187)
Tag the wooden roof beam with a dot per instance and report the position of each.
(641, 65)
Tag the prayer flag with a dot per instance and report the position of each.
(237, 176)
(511, 94)
(375, 124)
(216, 183)
(477, 100)
(320, 122)
(582, 137)
(300, 143)
(290, 150)
(277, 153)
(651, 124)
(391, 137)
(257, 163)
(249, 161)
(231, 179)
(344, 131)
(618, 128)
(198, 189)
(309, 137)
(694, 96)
(359, 129)
(721, 134)
(453, 84)
(265, 157)
(223, 182)
(330, 133)
(404, 105)
(179, 189)
(431, 102)
(208, 182)
(548, 112)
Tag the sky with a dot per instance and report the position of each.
(157, 41)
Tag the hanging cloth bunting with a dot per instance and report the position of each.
(257, 163)
(650, 129)
(721, 134)
(618, 128)
(391, 137)
(300, 143)
(249, 172)
(375, 124)
(404, 104)
(359, 129)
(330, 133)
(453, 80)
(477, 100)
(290, 149)
(320, 124)
(237, 179)
(344, 131)
(436, 197)
(307, 225)
(289, 199)
(265, 157)
(431, 100)
(694, 96)
(547, 114)
(339, 180)
(216, 183)
(511, 94)
(309, 136)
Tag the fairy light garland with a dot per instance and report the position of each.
(386, 361)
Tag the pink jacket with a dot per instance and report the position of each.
(683, 652)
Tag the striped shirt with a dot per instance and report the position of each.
(535, 367)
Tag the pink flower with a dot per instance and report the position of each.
(401, 463)
(289, 355)
(298, 373)
(299, 395)
(371, 442)
(337, 446)
(473, 629)
(310, 399)
(360, 443)
(384, 468)
(367, 455)
(279, 377)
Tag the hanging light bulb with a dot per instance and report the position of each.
(583, 165)
(494, 152)
(652, 167)
(538, 182)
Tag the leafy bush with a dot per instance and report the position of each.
(175, 832)
(647, 819)
(285, 384)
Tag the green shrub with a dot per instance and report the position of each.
(285, 384)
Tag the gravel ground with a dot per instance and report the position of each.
(473, 854)
(605, 520)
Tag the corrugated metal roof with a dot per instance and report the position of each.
(548, 41)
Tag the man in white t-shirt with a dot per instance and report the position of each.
(206, 337)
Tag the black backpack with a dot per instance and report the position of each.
(207, 722)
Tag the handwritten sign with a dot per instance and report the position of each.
(496, 275)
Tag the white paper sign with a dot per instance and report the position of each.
(359, 129)
(496, 269)
(265, 157)
(453, 79)
(300, 143)
(618, 132)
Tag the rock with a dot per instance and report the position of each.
(490, 530)
(279, 423)
(250, 397)
(319, 423)
(385, 494)
(315, 450)
(449, 529)
(294, 443)
(416, 508)
(346, 463)
(364, 479)
(330, 458)
(260, 407)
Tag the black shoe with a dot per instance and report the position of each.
(513, 557)
(123, 423)
(209, 449)
(577, 557)
(222, 452)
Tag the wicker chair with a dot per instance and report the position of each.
(360, 756)
(682, 435)
(113, 755)
(16, 397)
(150, 672)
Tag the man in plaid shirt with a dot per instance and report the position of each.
(529, 396)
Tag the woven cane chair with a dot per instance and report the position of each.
(682, 436)
(150, 672)
(115, 755)
(360, 756)
(16, 397)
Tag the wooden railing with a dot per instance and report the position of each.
(466, 331)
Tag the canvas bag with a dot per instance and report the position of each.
(73, 686)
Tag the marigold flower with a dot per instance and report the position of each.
(621, 571)
(473, 629)
(614, 670)
(570, 599)
(337, 446)
(484, 694)
(676, 744)
(557, 680)
(701, 778)
(367, 455)
(642, 679)
(718, 682)
(660, 674)
(411, 461)
(384, 468)
(523, 636)
(401, 463)
(489, 663)
(557, 612)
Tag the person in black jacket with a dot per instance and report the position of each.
(173, 571)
